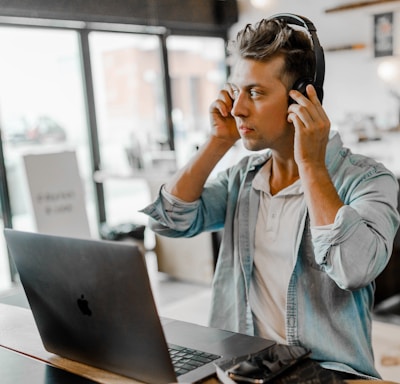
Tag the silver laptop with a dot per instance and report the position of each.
(92, 302)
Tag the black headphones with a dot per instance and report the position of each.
(318, 80)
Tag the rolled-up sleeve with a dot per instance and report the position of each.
(171, 216)
(357, 247)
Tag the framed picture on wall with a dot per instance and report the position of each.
(383, 34)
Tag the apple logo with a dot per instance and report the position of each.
(83, 305)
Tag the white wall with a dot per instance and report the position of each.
(352, 85)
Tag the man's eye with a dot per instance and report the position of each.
(253, 93)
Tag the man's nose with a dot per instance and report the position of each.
(240, 107)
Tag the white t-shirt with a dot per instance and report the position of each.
(275, 254)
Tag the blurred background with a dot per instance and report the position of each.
(125, 86)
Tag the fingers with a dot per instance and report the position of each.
(224, 103)
(223, 124)
(228, 88)
(308, 111)
(311, 126)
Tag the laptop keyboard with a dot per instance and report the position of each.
(186, 359)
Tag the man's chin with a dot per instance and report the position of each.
(252, 146)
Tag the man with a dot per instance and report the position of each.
(308, 225)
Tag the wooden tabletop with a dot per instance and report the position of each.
(18, 332)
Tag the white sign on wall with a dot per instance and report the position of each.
(57, 194)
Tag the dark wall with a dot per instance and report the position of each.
(388, 282)
(178, 15)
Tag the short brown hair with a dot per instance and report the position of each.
(268, 39)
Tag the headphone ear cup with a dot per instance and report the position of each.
(301, 85)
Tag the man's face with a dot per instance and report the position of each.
(260, 104)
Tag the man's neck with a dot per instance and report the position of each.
(283, 174)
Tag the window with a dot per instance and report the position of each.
(41, 109)
(198, 72)
(131, 118)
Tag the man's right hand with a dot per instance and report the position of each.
(187, 184)
(223, 125)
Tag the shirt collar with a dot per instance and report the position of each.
(261, 182)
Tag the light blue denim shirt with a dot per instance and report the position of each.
(331, 290)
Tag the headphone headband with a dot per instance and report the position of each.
(302, 21)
